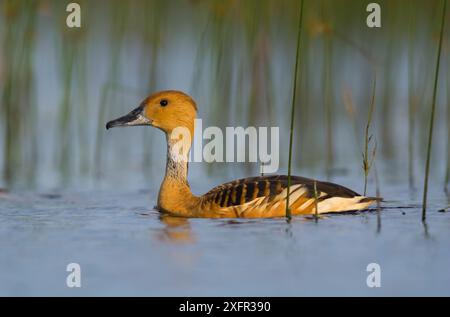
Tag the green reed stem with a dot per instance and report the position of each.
(328, 108)
(433, 108)
(411, 96)
(316, 202)
(367, 161)
(447, 172)
(294, 97)
(378, 193)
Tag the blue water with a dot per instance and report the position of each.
(125, 248)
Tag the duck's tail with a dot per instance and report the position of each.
(343, 204)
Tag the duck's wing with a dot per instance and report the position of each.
(265, 196)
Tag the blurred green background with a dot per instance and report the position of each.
(59, 86)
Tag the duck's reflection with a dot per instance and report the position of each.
(176, 230)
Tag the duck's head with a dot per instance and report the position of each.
(165, 110)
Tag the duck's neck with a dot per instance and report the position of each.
(175, 195)
(177, 161)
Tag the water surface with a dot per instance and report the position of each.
(125, 247)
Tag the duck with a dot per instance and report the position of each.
(265, 196)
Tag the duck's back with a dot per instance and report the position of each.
(265, 196)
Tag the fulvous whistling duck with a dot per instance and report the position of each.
(254, 197)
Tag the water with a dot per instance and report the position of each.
(125, 247)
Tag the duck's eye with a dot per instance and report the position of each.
(163, 102)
